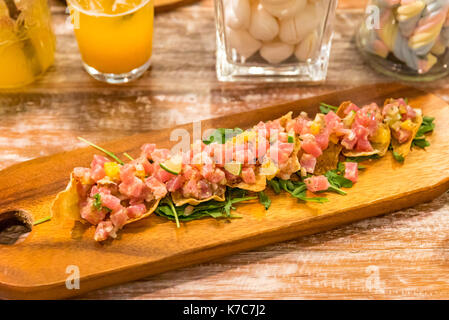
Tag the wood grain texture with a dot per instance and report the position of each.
(165, 5)
(409, 248)
(36, 268)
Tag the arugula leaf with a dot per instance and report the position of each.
(221, 135)
(398, 157)
(210, 209)
(427, 126)
(420, 143)
(274, 184)
(264, 200)
(297, 189)
(326, 108)
(337, 180)
(363, 158)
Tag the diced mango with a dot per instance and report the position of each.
(112, 170)
(408, 125)
(315, 127)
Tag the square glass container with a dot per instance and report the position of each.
(273, 40)
(408, 40)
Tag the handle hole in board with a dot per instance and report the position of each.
(15, 226)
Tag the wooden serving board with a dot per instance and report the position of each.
(36, 267)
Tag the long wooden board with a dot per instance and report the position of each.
(37, 267)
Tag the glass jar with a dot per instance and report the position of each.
(273, 40)
(115, 38)
(406, 39)
(27, 43)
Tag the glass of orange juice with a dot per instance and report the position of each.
(27, 42)
(114, 37)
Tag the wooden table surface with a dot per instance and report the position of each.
(400, 255)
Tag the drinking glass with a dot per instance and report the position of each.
(27, 43)
(114, 37)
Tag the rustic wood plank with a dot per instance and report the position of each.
(46, 117)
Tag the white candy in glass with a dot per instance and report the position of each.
(263, 25)
(283, 8)
(243, 42)
(307, 47)
(238, 13)
(276, 52)
(295, 29)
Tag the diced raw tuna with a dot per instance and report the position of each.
(83, 174)
(410, 114)
(215, 176)
(190, 173)
(162, 175)
(101, 190)
(131, 186)
(368, 117)
(97, 167)
(190, 189)
(363, 143)
(147, 149)
(248, 175)
(333, 122)
(322, 139)
(90, 213)
(175, 183)
(119, 218)
(351, 107)
(160, 155)
(110, 202)
(308, 162)
(349, 140)
(157, 188)
(351, 171)
(205, 190)
(135, 211)
(402, 135)
(104, 230)
(310, 146)
(317, 183)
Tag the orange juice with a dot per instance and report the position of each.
(27, 43)
(114, 37)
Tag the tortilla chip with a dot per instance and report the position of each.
(341, 109)
(66, 204)
(179, 200)
(380, 143)
(403, 149)
(329, 159)
(293, 161)
(260, 185)
(285, 119)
